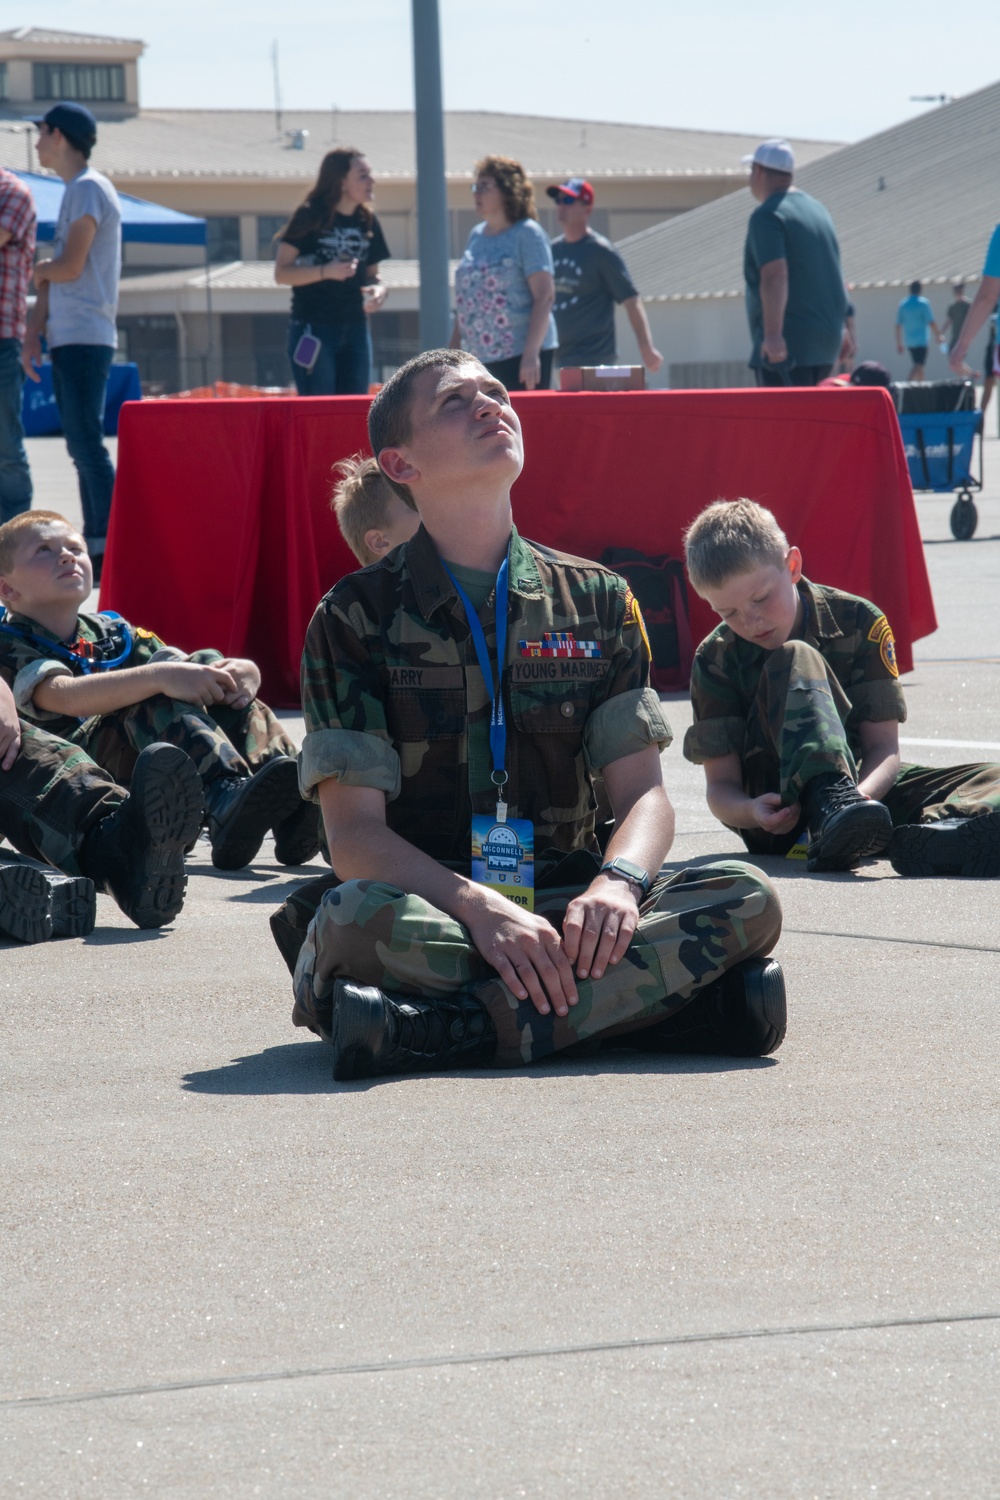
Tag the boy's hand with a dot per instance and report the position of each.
(10, 729)
(599, 925)
(191, 683)
(525, 950)
(772, 816)
(246, 675)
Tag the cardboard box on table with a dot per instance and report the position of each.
(602, 378)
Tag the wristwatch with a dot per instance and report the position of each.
(628, 871)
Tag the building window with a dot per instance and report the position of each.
(3, 80)
(223, 239)
(267, 227)
(97, 82)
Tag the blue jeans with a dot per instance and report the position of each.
(15, 476)
(80, 382)
(344, 366)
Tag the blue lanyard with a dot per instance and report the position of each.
(498, 723)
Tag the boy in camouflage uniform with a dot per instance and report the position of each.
(113, 690)
(797, 707)
(77, 832)
(372, 518)
(410, 964)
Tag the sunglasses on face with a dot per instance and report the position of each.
(563, 198)
(481, 187)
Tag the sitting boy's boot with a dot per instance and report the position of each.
(845, 826)
(954, 846)
(136, 853)
(38, 902)
(373, 1034)
(241, 809)
(296, 838)
(742, 1014)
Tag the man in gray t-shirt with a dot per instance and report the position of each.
(591, 277)
(76, 307)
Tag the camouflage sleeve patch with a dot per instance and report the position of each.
(877, 702)
(622, 726)
(349, 757)
(711, 738)
(29, 679)
(882, 636)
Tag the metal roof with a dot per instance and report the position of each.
(243, 144)
(40, 36)
(914, 202)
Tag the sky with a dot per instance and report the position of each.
(786, 67)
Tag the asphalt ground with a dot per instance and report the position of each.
(225, 1275)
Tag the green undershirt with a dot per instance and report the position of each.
(477, 584)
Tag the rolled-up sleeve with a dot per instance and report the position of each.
(623, 725)
(876, 702)
(719, 726)
(343, 703)
(712, 738)
(29, 680)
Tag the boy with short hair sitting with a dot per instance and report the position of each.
(96, 681)
(372, 518)
(797, 707)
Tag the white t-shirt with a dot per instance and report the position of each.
(83, 311)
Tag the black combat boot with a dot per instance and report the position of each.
(372, 1034)
(954, 846)
(241, 809)
(38, 902)
(136, 853)
(296, 838)
(743, 1014)
(845, 827)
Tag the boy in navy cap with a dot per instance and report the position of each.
(76, 307)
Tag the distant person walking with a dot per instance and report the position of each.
(954, 322)
(590, 279)
(329, 253)
(795, 295)
(76, 308)
(914, 318)
(17, 255)
(504, 287)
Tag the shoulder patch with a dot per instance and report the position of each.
(881, 634)
(633, 612)
(144, 635)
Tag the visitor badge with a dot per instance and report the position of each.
(800, 849)
(503, 857)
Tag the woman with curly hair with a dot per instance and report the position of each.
(329, 253)
(504, 285)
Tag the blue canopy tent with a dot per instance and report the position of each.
(143, 223)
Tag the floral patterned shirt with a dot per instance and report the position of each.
(492, 296)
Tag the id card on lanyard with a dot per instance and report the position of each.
(503, 848)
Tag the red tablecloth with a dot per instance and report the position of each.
(221, 533)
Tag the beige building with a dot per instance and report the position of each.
(246, 170)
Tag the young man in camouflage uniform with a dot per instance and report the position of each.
(78, 831)
(797, 707)
(410, 964)
(96, 681)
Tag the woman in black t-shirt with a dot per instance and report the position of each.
(329, 254)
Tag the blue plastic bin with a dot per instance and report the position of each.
(939, 447)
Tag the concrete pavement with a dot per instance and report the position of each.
(225, 1275)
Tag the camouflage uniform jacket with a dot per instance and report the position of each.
(29, 654)
(853, 637)
(394, 698)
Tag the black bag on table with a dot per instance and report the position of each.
(661, 589)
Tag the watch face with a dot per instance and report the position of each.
(634, 872)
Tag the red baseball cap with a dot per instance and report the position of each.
(577, 187)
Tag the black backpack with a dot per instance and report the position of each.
(661, 589)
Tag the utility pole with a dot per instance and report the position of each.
(277, 87)
(432, 197)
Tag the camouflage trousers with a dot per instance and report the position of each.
(221, 741)
(51, 797)
(693, 926)
(796, 731)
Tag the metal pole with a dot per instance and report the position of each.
(432, 196)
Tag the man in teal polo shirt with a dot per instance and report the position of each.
(795, 294)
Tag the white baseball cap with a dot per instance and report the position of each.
(777, 155)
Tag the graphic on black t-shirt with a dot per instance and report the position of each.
(348, 238)
(590, 278)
